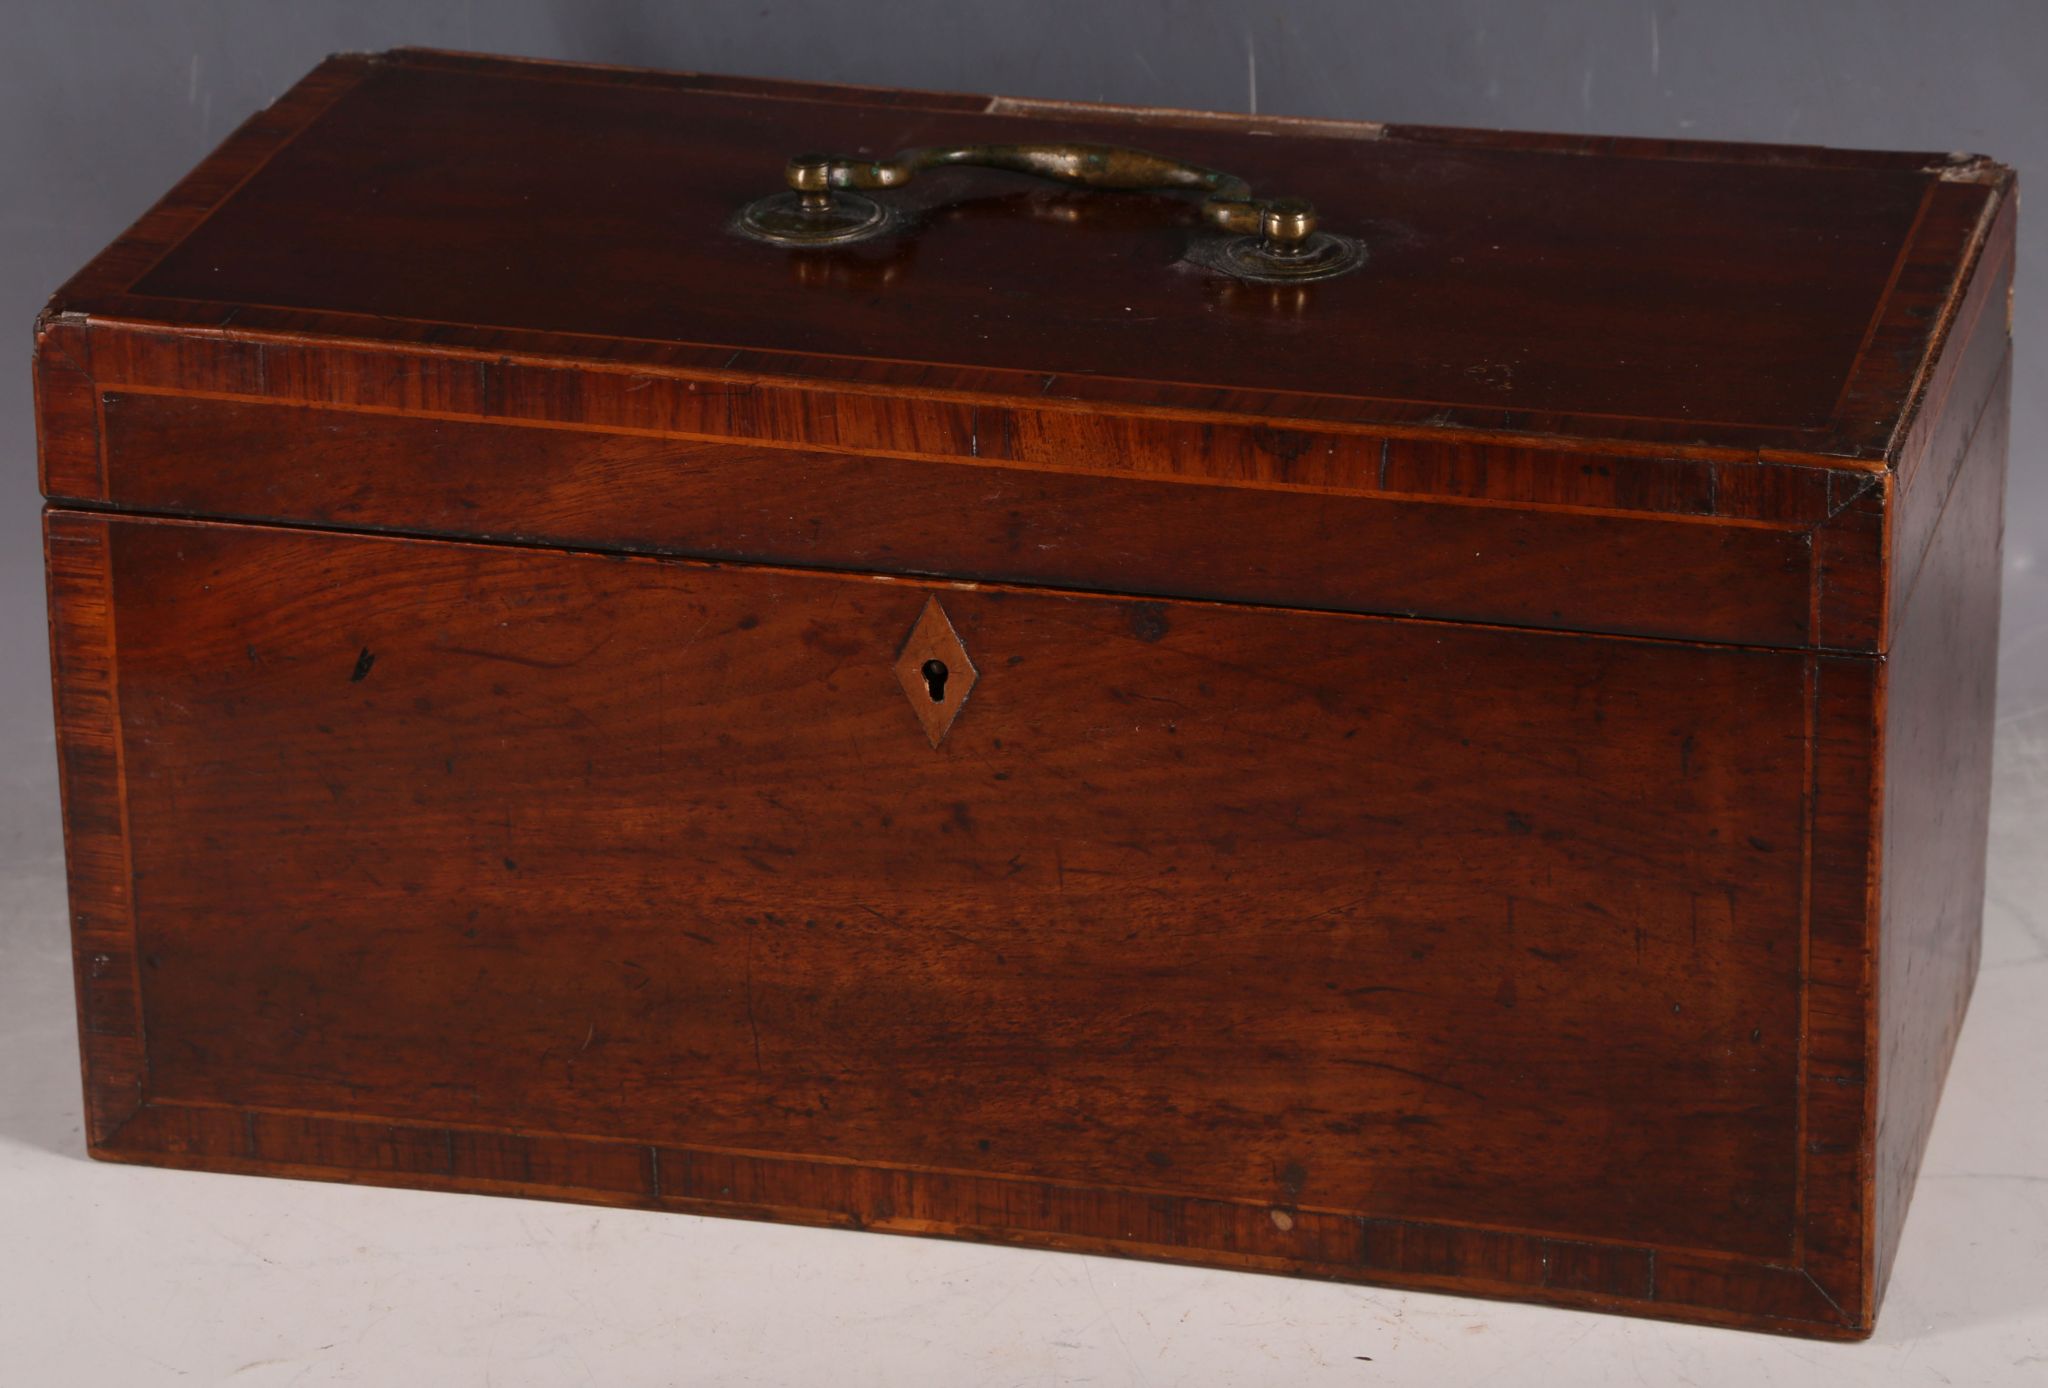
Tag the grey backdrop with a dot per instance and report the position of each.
(103, 105)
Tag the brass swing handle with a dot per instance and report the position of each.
(1283, 225)
(1270, 240)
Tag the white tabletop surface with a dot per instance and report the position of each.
(114, 1275)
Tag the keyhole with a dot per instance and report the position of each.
(934, 672)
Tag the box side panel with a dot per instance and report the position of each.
(1974, 348)
(1939, 694)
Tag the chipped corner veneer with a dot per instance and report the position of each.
(1964, 167)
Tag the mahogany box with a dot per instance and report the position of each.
(992, 684)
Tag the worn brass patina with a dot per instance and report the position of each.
(1267, 239)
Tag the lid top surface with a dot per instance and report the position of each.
(1668, 293)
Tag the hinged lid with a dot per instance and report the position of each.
(1656, 328)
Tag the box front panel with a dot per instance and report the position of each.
(1400, 919)
(1562, 544)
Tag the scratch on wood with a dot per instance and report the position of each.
(1413, 1075)
(753, 1026)
(529, 661)
(1173, 115)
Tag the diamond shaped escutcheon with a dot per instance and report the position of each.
(934, 671)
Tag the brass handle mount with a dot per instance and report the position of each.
(1272, 240)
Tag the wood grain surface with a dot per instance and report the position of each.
(1470, 778)
(1405, 922)
(1661, 297)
